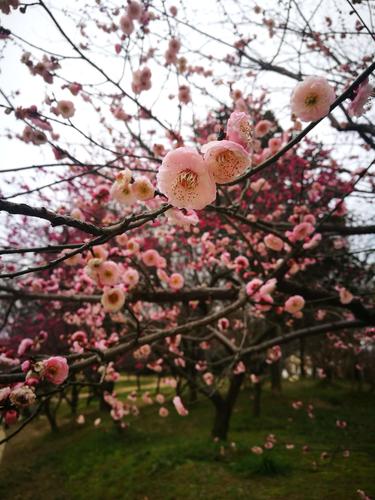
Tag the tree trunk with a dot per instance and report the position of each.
(224, 407)
(222, 419)
(50, 415)
(302, 357)
(74, 399)
(275, 370)
(257, 399)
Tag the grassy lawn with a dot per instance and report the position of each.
(174, 458)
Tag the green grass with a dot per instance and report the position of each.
(175, 458)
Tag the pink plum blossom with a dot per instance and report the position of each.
(226, 160)
(24, 346)
(176, 281)
(55, 369)
(294, 304)
(274, 242)
(240, 130)
(131, 277)
(184, 178)
(362, 96)
(312, 98)
(126, 25)
(163, 412)
(142, 188)
(113, 299)
(108, 273)
(66, 108)
(180, 408)
(345, 296)
(179, 218)
(150, 258)
(262, 128)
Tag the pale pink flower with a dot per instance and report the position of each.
(257, 450)
(131, 277)
(180, 408)
(99, 251)
(97, 422)
(134, 10)
(312, 98)
(150, 258)
(163, 412)
(184, 94)
(132, 247)
(174, 45)
(240, 130)
(108, 273)
(182, 219)
(142, 188)
(208, 378)
(362, 96)
(126, 25)
(294, 304)
(176, 281)
(301, 231)
(122, 239)
(313, 243)
(274, 242)
(80, 419)
(239, 368)
(24, 346)
(297, 405)
(273, 354)
(223, 324)
(141, 80)
(22, 397)
(122, 193)
(66, 108)
(143, 352)
(184, 178)
(92, 268)
(55, 369)
(262, 128)
(345, 296)
(274, 145)
(260, 185)
(160, 398)
(4, 393)
(226, 160)
(113, 299)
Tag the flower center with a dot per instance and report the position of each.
(311, 100)
(225, 158)
(187, 179)
(113, 297)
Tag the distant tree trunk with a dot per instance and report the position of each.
(138, 378)
(224, 407)
(257, 399)
(158, 383)
(51, 415)
(275, 369)
(302, 357)
(74, 399)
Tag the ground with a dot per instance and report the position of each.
(175, 457)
